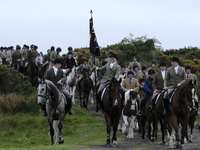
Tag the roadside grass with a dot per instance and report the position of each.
(30, 130)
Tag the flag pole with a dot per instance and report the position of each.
(94, 69)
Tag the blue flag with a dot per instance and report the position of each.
(94, 47)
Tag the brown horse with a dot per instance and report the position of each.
(182, 103)
(158, 111)
(32, 71)
(112, 109)
(85, 88)
(150, 118)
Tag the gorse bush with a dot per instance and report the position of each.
(13, 82)
(13, 103)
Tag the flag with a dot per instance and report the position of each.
(94, 47)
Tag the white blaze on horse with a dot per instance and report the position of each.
(129, 113)
(72, 79)
(55, 107)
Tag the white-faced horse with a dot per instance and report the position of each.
(71, 82)
(55, 107)
(129, 113)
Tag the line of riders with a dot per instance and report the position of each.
(136, 77)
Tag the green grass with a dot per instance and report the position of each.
(30, 131)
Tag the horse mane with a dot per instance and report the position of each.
(52, 87)
(182, 88)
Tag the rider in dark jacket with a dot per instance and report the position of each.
(148, 90)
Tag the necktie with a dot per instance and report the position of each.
(187, 75)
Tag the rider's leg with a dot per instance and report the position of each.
(166, 99)
(152, 101)
(68, 103)
(123, 99)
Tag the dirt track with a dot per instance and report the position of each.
(138, 143)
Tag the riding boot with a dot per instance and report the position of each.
(166, 103)
(98, 106)
(69, 106)
(197, 107)
(44, 113)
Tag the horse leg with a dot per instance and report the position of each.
(154, 136)
(125, 124)
(186, 135)
(143, 121)
(163, 132)
(191, 126)
(51, 130)
(108, 122)
(87, 95)
(84, 100)
(168, 121)
(149, 131)
(130, 133)
(176, 127)
(61, 140)
(73, 92)
(183, 130)
(115, 124)
(80, 100)
(55, 127)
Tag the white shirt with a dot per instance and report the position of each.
(163, 74)
(55, 70)
(176, 69)
(112, 64)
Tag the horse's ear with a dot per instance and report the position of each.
(190, 81)
(195, 82)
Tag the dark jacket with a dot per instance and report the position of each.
(69, 63)
(148, 86)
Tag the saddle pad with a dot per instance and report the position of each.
(172, 95)
(64, 97)
(103, 92)
(158, 96)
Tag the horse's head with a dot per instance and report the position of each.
(133, 95)
(191, 93)
(42, 91)
(39, 61)
(115, 88)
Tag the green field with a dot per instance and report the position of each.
(31, 131)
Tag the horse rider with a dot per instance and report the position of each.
(148, 90)
(158, 84)
(112, 71)
(49, 53)
(130, 83)
(53, 56)
(94, 61)
(144, 73)
(153, 66)
(136, 71)
(193, 77)
(24, 53)
(175, 76)
(123, 69)
(57, 76)
(141, 86)
(36, 48)
(7, 55)
(1, 51)
(17, 55)
(133, 63)
(108, 59)
(69, 62)
(74, 54)
(83, 67)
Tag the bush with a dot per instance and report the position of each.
(13, 103)
(13, 82)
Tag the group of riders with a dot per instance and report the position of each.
(151, 80)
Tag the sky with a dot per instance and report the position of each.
(63, 23)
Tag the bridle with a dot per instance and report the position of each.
(112, 95)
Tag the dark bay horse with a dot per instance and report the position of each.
(150, 118)
(112, 109)
(182, 103)
(85, 88)
(32, 71)
(55, 107)
(158, 111)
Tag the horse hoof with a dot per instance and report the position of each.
(61, 142)
(178, 146)
(107, 145)
(164, 144)
(115, 143)
(182, 147)
(139, 135)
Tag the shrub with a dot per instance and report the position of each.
(13, 103)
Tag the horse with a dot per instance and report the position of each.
(17, 65)
(150, 118)
(112, 108)
(4, 62)
(85, 88)
(181, 105)
(129, 112)
(71, 82)
(39, 63)
(55, 107)
(158, 111)
(32, 71)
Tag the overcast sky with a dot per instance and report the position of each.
(63, 23)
